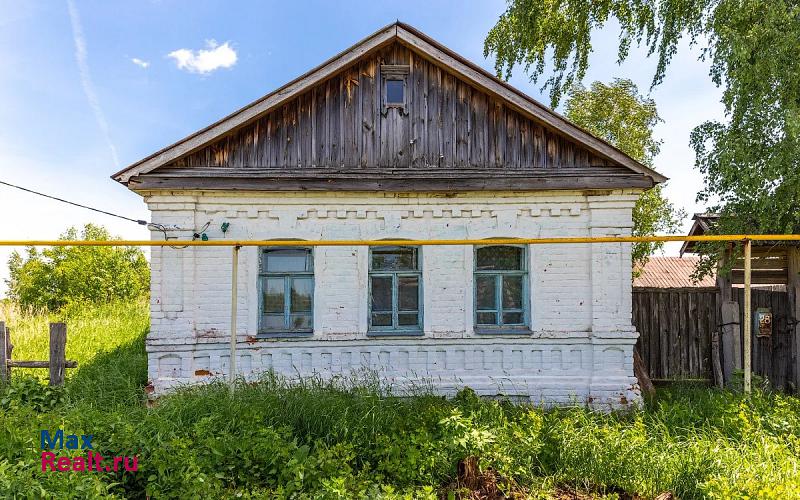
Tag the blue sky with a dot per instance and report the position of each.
(75, 106)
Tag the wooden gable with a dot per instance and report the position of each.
(337, 132)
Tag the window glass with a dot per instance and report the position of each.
(287, 290)
(381, 293)
(512, 318)
(394, 92)
(512, 292)
(500, 286)
(286, 260)
(485, 292)
(394, 259)
(408, 319)
(395, 289)
(302, 293)
(381, 319)
(487, 318)
(408, 293)
(301, 322)
(499, 258)
(273, 295)
(273, 321)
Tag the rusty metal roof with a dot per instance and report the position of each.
(671, 272)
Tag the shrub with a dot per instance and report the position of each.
(31, 392)
(59, 276)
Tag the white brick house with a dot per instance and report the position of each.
(398, 138)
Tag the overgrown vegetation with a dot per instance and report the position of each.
(749, 160)
(59, 276)
(324, 440)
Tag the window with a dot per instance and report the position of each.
(286, 283)
(500, 288)
(395, 94)
(394, 290)
(395, 91)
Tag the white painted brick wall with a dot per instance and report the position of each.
(580, 294)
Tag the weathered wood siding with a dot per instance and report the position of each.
(342, 124)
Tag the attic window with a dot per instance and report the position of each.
(395, 91)
(394, 86)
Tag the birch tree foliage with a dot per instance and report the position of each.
(750, 161)
(620, 115)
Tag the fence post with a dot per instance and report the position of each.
(728, 317)
(58, 354)
(3, 353)
(9, 351)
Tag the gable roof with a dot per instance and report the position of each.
(418, 42)
(703, 223)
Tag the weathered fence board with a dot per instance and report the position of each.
(5, 352)
(58, 346)
(56, 364)
(677, 327)
(39, 364)
(770, 356)
(729, 323)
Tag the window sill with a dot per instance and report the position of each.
(284, 335)
(503, 330)
(395, 333)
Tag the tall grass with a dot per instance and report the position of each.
(106, 340)
(327, 440)
(92, 330)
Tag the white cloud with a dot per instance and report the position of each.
(139, 62)
(206, 60)
(81, 55)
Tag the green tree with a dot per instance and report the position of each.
(57, 276)
(750, 161)
(618, 114)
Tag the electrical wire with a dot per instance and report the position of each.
(163, 229)
(138, 221)
(149, 225)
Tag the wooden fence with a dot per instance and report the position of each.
(677, 327)
(772, 355)
(57, 362)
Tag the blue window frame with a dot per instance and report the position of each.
(501, 288)
(286, 286)
(395, 291)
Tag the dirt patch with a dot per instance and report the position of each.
(569, 493)
(472, 483)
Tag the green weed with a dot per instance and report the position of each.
(354, 439)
